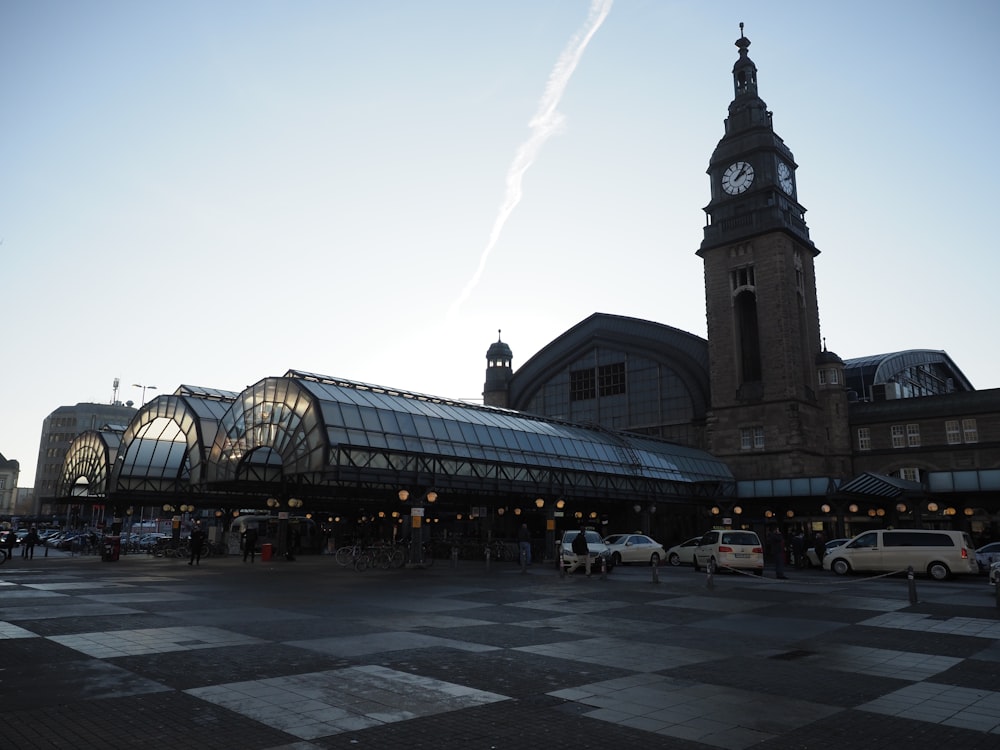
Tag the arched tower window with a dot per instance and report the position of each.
(748, 336)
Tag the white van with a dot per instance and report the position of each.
(940, 554)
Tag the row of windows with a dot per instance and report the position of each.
(606, 380)
(908, 436)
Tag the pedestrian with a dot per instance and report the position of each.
(249, 543)
(9, 543)
(819, 545)
(29, 543)
(524, 544)
(582, 551)
(197, 542)
(799, 548)
(776, 543)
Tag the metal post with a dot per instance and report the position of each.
(524, 560)
(710, 575)
(912, 584)
(562, 568)
(454, 557)
(487, 558)
(656, 572)
(604, 569)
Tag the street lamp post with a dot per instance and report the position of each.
(144, 388)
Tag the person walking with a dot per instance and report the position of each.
(249, 543)
(524, 544)
(29, 543)
(9, 542)
(197, 543)
(776, 542)
(582, 551)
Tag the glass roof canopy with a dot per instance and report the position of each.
(317, 436)
(330, 431)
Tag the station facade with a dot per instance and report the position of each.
(619, 423)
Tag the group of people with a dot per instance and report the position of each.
(27, 545)
(797, 553)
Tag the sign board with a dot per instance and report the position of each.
(419, 512)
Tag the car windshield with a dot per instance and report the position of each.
(614, 539)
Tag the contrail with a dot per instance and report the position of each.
(544, 124)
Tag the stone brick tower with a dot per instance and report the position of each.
(769, 417)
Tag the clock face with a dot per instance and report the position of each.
(785, 177)
(737, 178)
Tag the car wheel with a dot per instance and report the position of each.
(674, 559)
(938, 571)
(655, 559)
(840, 566)
(616, 559)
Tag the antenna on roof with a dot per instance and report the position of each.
(114, 392)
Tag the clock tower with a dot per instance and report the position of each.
(771, 409)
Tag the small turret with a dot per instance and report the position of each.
(498, 374)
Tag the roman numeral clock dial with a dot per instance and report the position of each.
(737, 178)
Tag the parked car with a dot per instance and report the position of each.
(987, 555)
(938, 553)
(634, 548)
(814, 561)
(995, 573)
(683, 553)
(727, 548)
(595, 544)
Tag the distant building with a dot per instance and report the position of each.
(9, 472)
(58, 432)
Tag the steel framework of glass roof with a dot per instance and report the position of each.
(314, 436)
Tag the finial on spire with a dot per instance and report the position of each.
(498, 335)
(741, 29)
(824, 343)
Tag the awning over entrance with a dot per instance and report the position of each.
(870, 484)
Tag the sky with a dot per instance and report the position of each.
(212, 193)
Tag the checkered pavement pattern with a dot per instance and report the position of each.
(147, 652)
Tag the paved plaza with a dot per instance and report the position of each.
(151, 653)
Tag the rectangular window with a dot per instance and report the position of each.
(742, 277)
(898, 436)
(833, 376)
(611, 379)
(953, 432)
(746, 438)
(913, 435)
(582, 385)
(758, 436)
(864, 439)
(910, 474)
(970, 431)
(822, 377)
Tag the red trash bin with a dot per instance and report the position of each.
(112, 548)
(266, 552)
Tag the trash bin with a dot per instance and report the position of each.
(111, 548)
(266, 552)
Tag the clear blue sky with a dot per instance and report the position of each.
(211, 193)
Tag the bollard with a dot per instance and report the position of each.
(604, 569)
(996, 587)
(454, 557)
(656, 572)
(912, 584)
(709, 573)
(487, 558)
(524, 561)
(559, 562)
